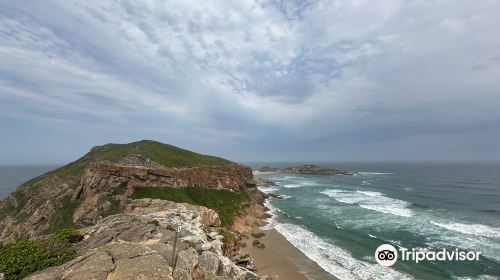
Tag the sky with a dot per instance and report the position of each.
(340, 80)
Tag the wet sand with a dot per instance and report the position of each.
(280, 258)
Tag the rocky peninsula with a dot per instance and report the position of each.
(305, 169)
(143, 210)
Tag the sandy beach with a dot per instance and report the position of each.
(280, 258)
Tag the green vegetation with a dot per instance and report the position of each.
(229, 237)
(68, 235)
(114, 209)
(120, 190)
(164, 154)
(115, 204)
(189, 243)
(67, 178)
(33, 193)
(19, 259)
(226, 203)
(63, 215)
(154, 222)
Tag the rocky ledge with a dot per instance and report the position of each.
(139, 244)
(305, 169)
(101, 178)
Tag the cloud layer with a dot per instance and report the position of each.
(252, 80)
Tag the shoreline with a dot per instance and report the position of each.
(281, 259)
(272, 254)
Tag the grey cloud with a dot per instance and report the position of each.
(296, 79)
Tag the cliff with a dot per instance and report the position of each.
(101, 182)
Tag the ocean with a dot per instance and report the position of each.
(11, 176)
(339, 221)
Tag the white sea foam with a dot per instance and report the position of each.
(291, 186)
(267, 189)
(334, 259)
(300, 184)
(472, 229)
(373, 201)
(271, 221)
(480, 277)
(362, 173)
(370, 193)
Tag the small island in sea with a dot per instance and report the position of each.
(305, 169)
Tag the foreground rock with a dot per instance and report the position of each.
(138, 244)
(305, 169)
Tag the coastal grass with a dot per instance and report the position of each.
(20, 259)
(226, 203)
(164, 154)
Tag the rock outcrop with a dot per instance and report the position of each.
(139, 244)
(78, 192)
(100, 179)
(305, 169)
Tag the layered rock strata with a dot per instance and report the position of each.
(100, 179)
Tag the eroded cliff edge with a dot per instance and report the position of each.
(103, 195)
(101, 182)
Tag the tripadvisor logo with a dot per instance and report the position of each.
(387, 255)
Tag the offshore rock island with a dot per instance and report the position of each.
(305, 169)
(127, 211)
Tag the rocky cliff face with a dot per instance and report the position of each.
(80, 191)
(139, 244)
(100, 179)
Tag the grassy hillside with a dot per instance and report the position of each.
(226, 203)
(164, 154)
(57, 186)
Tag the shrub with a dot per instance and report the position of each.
(68, 235)
(229, 237)
(19, 259)
(154, 222)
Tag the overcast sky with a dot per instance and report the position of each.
(252, 80)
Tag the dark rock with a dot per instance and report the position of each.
(305, 169)
(258, 234)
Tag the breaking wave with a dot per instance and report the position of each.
(373, 201)
(472, 229)
(362, 173)
(334, 259)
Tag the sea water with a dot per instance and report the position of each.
(339, 221)
(11, 176)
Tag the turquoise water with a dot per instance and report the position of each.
(339, 221)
